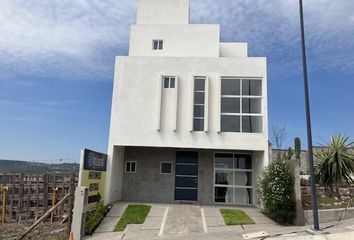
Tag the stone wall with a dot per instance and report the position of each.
(345, 193)
(304, 165)
(147, 184)
(328, 215)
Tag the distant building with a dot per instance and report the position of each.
(189, 113)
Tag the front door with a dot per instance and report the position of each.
(186, 184)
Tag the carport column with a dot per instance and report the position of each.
(260, 161)
(114, 179)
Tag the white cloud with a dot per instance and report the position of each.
(78, 39)
(62, 34)
(272, 28)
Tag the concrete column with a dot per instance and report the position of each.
(114, 178)
(159, 102)
(295, 166)
(258, 164)
(79, 212)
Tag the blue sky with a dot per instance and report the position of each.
(57, 63)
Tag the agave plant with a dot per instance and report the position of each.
(335, 164)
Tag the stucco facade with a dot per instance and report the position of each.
(155, 109)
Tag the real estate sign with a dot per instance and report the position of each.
(93, 175)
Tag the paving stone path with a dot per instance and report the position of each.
(183, 219)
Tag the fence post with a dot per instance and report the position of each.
(54, 198)
(20, 197)
(4, 193)
(71, 203)
(29, 192)
(45, 192)
(12, 197)
(37, 197)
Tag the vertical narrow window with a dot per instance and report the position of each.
(241, 105)
(199, 104)
(157, 44)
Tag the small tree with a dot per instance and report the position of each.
(334, 164)
(279, 134)
(276, 192)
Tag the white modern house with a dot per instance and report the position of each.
(189, 113)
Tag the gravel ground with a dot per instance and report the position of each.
(44, 231)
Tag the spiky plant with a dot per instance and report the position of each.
(335, 164)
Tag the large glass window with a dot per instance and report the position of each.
(233, 178)
(241, 105)
(199, 104)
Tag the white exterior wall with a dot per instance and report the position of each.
(233, 50)
(136, 100)
(178, 40)
(163, 12)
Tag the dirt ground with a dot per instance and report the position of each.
(44, 231)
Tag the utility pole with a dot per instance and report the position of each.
(308, 121)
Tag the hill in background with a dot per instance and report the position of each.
(13, 166)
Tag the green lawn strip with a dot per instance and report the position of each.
(235, 217)
(133, 214)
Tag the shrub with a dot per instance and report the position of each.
(94, 217)
(276, 192)
(335, 164)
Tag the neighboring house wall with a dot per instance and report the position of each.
(304, 167)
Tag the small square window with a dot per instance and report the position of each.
(157, 44)
(130, 167)
(165, 168)
(169, 82)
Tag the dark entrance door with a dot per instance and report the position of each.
(186, 184)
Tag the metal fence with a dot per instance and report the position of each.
(29, 196)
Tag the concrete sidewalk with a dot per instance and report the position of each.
(344, 231)
(193, 222)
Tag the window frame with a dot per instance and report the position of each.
(169, 82)
(161, 168)
(159, 45)
(241, 96)
(130, 171)
(199, 104)
(252, 187)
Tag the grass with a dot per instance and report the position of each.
(235, 217)
(134, 214)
